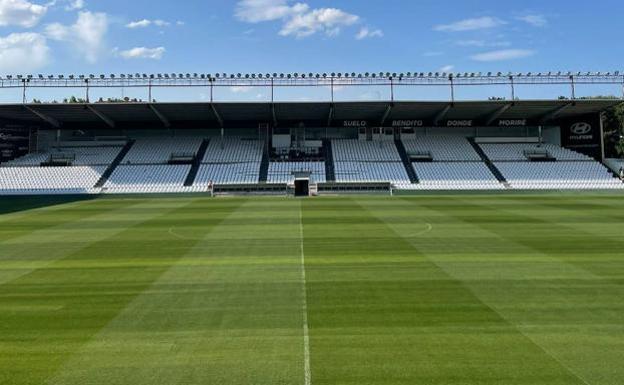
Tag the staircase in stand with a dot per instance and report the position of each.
(264, 167)
(493, 169)
(111, 168)
(407, 162)
(190, 178)
(330, 175)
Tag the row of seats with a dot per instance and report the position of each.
(558, 175)
(282, 172)
(497, 152)
(358, 172)
(156, 150)
(233, 150)
(83, 156)
(147, 178)
(77, 178)
(455, 176)
(347, 150)
(442, 148)
(228, 173)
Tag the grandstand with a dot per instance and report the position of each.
(408, 146)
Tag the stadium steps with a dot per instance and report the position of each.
(111, 168)
(407, 163)
(190, 178)
(330, 174)
(493, 169)
(264, 167)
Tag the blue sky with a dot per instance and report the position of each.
(114, 36)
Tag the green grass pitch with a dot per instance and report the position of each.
(449, 289)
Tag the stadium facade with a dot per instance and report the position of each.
(303, 147)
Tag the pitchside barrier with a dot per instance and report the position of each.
(251, 189)
(354, 188)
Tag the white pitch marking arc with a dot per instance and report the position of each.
(425, 231)
(173, 233)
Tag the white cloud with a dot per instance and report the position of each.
(86, 35)
(534, 20)
(298, 19)
(143, 53)
(485, 22)
(139, 24)
(447, 68)
(21, 13)
(23, 52)
(365, 32)
(146, 23)
(256, 11)
(240, 89)
(75, 5)
(328, 20)
(161, 23)
(501, 55)
(482, 43)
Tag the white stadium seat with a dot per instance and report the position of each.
(455, 176)
(228, 173)
(282, 172)
(147, 179)
(558, 175)
(49, 180)
(497, 152)
(237, 161)
(442, 148)
(159, 150)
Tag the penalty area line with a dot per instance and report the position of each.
(306, 335)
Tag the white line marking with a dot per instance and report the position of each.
(425, 231)
(306, 336)
(173, 233)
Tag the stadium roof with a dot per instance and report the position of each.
(313, 114)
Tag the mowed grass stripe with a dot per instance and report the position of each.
(40, 247)
(541, 295)
(51, 312)
(211, 323)
(382, 313)
(23, 222)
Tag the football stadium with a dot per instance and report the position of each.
(419, 239)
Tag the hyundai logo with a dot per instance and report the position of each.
(581, 128)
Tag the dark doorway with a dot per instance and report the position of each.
(302, 187)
